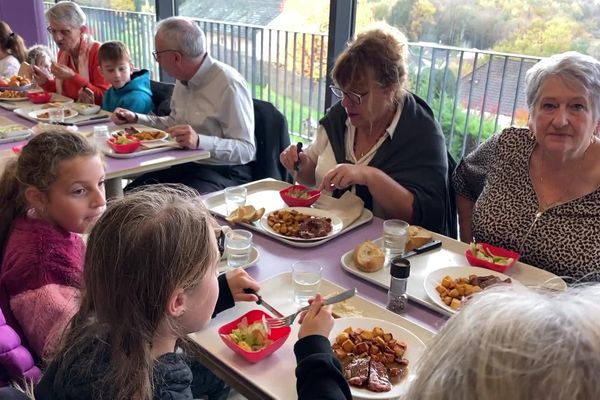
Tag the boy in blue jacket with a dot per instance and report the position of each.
(129, 90)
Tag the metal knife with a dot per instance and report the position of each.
(95, 117)
(434, 244)
(264, 303)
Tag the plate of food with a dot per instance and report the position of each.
(376, 356)
(450, 287)
(44, 114)
(145, 135)
(13, 95)
(13, 133)
(16, 82)
(301, 223)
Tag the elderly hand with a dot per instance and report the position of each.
(238, 280)
(62, 71)
(86, 96)
(41, 75)
(344, 175)
(185, 136)
(122, 116)
(317, 320)
(289, 156)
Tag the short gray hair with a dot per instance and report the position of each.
(518, 344)
(573, 67)
(183, 35)
(67, 12)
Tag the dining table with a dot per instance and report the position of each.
(276, 258)
(116, 168)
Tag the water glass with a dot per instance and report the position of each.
(235, 197)
(101, 135)
(56, 115)
(395, 236)
(238, 243)
(306, 276)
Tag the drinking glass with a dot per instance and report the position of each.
(56, 115)
(306, 276)
(235, 197)
(395, 236)
(238, 243)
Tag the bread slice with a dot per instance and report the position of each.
(369, 257)
(417, 237)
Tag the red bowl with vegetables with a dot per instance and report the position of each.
(123, 145)
(299, 196)
(39, 97)
(259, 341)
(487, 256)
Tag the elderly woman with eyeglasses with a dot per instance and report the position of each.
(537, 190)
(76, 74)
(380, 141)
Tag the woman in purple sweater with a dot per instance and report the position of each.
(50, 194)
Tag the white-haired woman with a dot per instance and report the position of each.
(537, 190)
(518, 344)
(76, 73)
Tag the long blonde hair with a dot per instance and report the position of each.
(142, 249)
(516, 344)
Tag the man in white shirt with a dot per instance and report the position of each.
(211, 108)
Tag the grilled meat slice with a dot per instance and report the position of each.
(379, 380)
(357, 371)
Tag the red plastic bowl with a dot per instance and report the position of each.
(124, 148)
(39, 97)
(313, 195)
(277, 335)
(477, 262)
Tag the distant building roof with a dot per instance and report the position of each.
(251, 12)
(500, 75)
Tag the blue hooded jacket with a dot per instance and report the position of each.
(135, 95)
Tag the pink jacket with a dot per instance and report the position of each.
(16, 362)
(40, 281)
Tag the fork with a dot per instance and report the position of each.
(287, 321)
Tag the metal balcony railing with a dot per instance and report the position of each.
(473, 93)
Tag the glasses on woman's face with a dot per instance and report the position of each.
(353, 97)
(62, 32)
(156, 53)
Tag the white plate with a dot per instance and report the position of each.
(435, 278)
(17, 88)
(336, 223)
(254, 254)
(162, 139)
(13, 98)
(415, 348)
(35, 114)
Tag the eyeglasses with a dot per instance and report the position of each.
(353, 97)
(63, 32)
(156, 53)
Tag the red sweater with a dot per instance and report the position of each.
(40, 281)
(71, 87)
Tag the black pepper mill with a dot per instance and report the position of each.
(399, 272)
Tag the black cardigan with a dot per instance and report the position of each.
(415, 158)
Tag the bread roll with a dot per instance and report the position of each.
(417, 237)
(369, 257)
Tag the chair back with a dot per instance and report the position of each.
(161, 97)
(453, 216)
(271, 137)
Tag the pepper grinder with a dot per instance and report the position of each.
(399, 272)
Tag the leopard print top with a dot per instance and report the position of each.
(564, 239)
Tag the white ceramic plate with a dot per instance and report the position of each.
(85, 109)
(254, 254)
(17, 88)
(2, 98)
(36, 114)
(164, 136)
(415, 348)
(435, 278)
(336, 223)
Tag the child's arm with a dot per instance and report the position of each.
(318, 374)
(231, 289)
(43, 314)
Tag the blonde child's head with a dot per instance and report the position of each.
(40, 56)
(150, 276)
(58, 177)
(115, 63)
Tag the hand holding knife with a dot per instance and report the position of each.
(263, 303)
